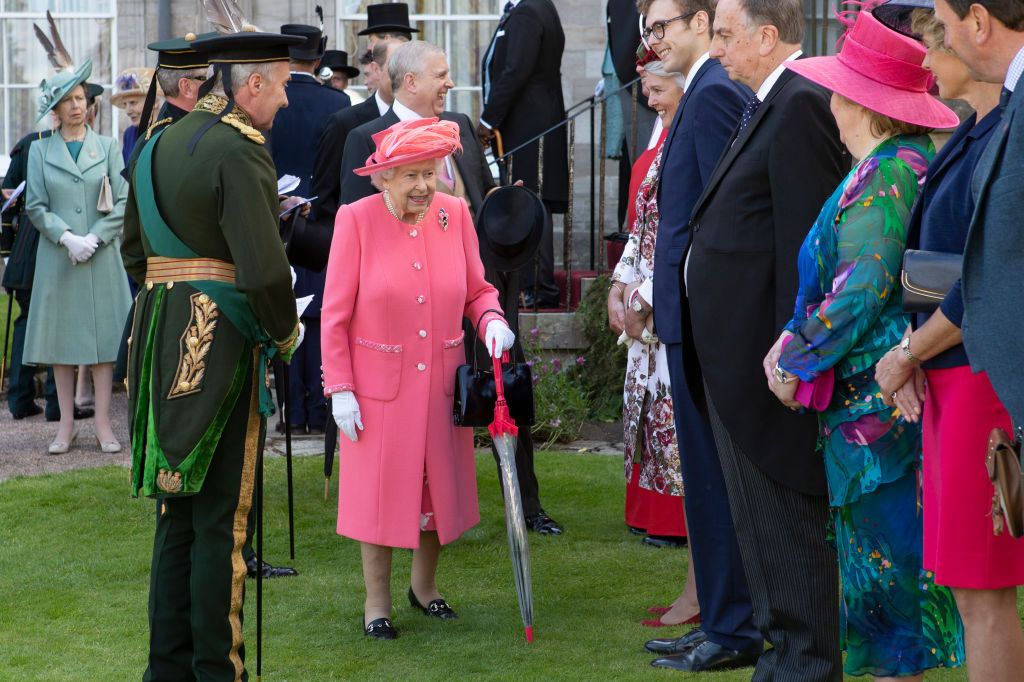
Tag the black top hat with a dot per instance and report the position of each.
(389, 17)
(313, 47)
(337, 60)
(510, 224)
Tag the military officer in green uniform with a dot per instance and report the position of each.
(216, 304)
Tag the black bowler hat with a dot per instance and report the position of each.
(337, 60)
(389, 17)
(510, 224)
(312, 49)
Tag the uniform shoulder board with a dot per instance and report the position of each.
(161, 122)
(247, 131)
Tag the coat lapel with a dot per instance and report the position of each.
(58, 156)
(985, 172)
(677, 121)
(92, 152)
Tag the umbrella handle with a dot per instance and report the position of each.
(499, 379)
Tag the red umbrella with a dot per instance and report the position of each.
(505, 434)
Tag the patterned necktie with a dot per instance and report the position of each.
(749, 111)
(1004, 99)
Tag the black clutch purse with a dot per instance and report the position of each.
(475, 394)
(927, 278)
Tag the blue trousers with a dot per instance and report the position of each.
(726, 610)
(21, 391)
(305, 383)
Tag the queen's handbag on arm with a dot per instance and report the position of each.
(475, 393)
(1003, 461)
(927, 278)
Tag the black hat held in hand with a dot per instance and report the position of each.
(510, 224)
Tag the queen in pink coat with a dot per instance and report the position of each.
(404, 269)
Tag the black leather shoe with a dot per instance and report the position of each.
(679, 645)
(80, 413)
(707, 656)
(268, 570)
(637, 531)
(668, 541)
(380, 628)
(543, 524)
(297, 429)
(31, 411)
(436, 609)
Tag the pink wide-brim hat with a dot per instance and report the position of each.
(410, 141)
(880, 70)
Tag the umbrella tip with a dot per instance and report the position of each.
(327, 482)
(528, 630)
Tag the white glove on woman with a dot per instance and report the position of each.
(498, 334)
(80, 249)
(346, 414)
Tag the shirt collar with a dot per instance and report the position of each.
(403, 112)
(1014, 73)
(382, 106)
(773, 77)
(694, 69)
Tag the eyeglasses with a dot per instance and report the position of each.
(657, 29)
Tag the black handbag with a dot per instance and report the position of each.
(927, 278)
(475, 394)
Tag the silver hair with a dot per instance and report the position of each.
(168, 79)
(409, 58)
(239, 75)
(657, 68)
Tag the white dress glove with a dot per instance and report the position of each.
(80, 249)
(295, 277)
(346, 414)
(498, 334)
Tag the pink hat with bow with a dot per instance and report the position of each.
(880, 70)
(411, 141)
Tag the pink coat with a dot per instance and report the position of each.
(392, 333)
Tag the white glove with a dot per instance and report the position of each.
(498, 334)
(346, 414)
(80, 249)
(295, 277)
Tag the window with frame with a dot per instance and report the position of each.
(89, 31)
(463, 28)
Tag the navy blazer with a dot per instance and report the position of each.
(298, 127)
(993, 326)
(701, 129)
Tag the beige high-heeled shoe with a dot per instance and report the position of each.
(108, 447)
(61, 447)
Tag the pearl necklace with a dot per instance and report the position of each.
(392, 211)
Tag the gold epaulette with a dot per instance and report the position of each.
(163, 121)
(237, 119)
(237, 122)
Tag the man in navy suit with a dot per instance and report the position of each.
(297, 130)
(679, 31)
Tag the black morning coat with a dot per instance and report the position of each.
(522, 66)
(331, 150)
(747, 228)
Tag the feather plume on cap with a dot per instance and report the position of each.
(320, 15)
(55, 50)
(226, 16)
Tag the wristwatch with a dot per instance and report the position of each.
(781, 376)
(905, 347)
(635, 302)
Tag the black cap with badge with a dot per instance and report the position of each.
(176, 54)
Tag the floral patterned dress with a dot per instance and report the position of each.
(849, 313)
(647, 416)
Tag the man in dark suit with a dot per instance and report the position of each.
(331, 149)
(702, 127)
(989, 37)
(420, 81)
(522, 96)
(297, 130)
(740, 281)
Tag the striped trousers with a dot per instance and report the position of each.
(791, 567)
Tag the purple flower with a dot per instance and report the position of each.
(534, 333)
(529, 363)
(556, 365)
(555, 423)
(581, 361)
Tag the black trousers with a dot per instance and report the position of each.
(792, 569)
(537, 277)
(21, 383)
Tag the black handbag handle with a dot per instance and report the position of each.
(476, 335)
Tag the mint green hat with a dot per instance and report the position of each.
(52, 90)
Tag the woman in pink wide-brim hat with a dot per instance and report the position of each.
(848, 314)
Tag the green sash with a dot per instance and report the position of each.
(192, 470)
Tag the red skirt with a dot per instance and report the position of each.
(656, 513)
(959, 546)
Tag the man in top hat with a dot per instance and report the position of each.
(335, 73)
(522, 97)
(387, 20)
(216, 305)
(297, 130)
(419, 75)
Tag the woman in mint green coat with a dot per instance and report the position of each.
(80, 299)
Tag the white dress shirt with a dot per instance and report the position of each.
(382, 106)
(1015, 71)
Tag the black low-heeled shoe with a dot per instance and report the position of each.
(381, 628)
(436, 609)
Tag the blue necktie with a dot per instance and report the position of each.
(749, 111)
(1004, 99)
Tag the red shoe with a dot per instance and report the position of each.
(658, 609)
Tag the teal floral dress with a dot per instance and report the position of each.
(896, 621)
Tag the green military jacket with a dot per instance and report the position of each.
(188, 360)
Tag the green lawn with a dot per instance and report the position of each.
(74, 566)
